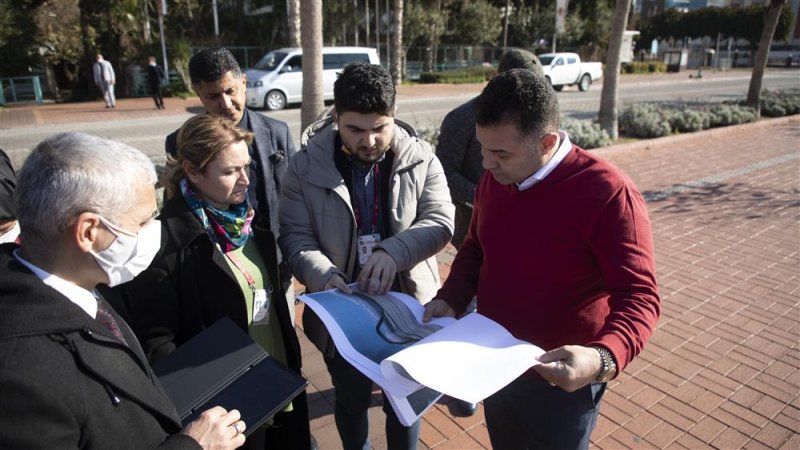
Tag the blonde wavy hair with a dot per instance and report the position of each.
(200, 139)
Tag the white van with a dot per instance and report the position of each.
(277, 79)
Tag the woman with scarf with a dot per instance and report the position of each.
(216, 262)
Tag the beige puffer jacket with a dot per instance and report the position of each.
(318, 232)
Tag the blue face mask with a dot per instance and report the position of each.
(130, 254)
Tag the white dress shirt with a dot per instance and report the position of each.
(86, 300)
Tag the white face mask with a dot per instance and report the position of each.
(130, 254)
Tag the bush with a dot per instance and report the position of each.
(476, 74)
(585, 134)
(726, 114)
(689, 120)
(778, 104)
(429, 134)
(644, 67)
(643, 121)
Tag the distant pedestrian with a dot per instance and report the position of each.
(155, 78)
(105, 79)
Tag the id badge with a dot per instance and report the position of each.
(261, 306)
(365, 245)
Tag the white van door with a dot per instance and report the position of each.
(291, 79)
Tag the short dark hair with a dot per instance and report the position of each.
(517, 58)
(522, 97)
(211, 64)
(364, 88)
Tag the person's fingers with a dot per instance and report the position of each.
(232, 417)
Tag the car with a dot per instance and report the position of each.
(566, 69)
(277, 78)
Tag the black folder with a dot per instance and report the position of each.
(222, 366)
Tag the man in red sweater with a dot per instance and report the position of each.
(560, 252)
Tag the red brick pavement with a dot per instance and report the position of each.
(723, 368)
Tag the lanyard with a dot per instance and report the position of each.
(357, 212)
(247, 275)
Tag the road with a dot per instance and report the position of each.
(147, 134)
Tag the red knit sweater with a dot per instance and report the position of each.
(567, 261)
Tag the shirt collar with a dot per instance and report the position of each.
(86, 300)
(548, 167)
(245, 122)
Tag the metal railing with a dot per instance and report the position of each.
(20, 89)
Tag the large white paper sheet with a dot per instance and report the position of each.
(471, 359)
(384, 338)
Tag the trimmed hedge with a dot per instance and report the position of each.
(779, 103)
(475, 74)
(643, 67)
(586, 135)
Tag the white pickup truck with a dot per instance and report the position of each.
(566, 69)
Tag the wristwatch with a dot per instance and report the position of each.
(608, 369)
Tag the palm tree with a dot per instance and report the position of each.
(293, 13)
(608, 97)
(397, 43)
(760, 60)
(311, 34)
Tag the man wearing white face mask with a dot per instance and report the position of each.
(71, 372)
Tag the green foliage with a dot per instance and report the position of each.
(585, 134)
(643, 67)
(684, 121)
(476, 74)
(738, 21)
(650, 120)
(421, 24)
(643, 121)
(727, 114)
(778, 104)
(478, 23)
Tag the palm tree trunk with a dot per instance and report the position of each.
(293, 16)
(608, 97)
(311, 32)
(397, 43)
(760, 60)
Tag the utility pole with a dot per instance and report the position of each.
(162, 11)
(216, 22)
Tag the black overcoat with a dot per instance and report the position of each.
(66, 382)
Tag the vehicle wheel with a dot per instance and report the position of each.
(558, 88)
(275, 100)
(585, 82)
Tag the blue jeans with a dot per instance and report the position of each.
(353, 394)
(531, 414)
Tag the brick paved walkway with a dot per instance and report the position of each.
(722, 370)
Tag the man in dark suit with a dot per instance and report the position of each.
(155, 77)
(219, 82)
(72, 374)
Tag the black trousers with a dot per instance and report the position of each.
(157, 97)
(531, 414)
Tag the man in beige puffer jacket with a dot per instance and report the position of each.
(366, 201)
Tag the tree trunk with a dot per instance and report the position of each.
(608, 97)
(311, 36)
(293, 13)
(760, 60)
(397, 43)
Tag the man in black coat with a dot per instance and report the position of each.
(72, 374)
(155, 77)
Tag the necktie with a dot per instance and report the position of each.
(108, 321)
